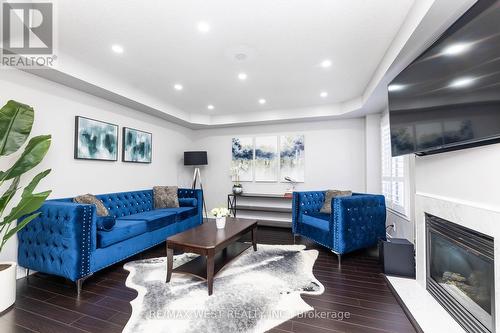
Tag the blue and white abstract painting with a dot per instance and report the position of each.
(292, 157)
(95, 140)
(242, 157)
(266, 159)
(137, 146)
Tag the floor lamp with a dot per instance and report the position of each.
(197, 159)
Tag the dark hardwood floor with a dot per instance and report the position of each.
(49, 304)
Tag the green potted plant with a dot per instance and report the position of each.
(16, 121)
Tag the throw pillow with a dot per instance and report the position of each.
(329, 195)
(105, 223)
(92, 200)
(165, 197)
(188, 202)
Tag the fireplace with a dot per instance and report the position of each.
(460, 273)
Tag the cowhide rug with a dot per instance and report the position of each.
(253, 293)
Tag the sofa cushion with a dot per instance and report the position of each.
(123, 230)
(105, 223)
(155, 219)
(165, 197)
(317, 220)
(183, 212)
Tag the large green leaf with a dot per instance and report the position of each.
(34, 182)
(33, 154)
(16, 120)
(27, 205)
(19, 226)
(7, 196)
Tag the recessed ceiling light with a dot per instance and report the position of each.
(203, 27)
(323, 94)
(117, 48)
(262, 101)
(326, 63)
(396, 87)
(457, 48)
(210, 107)
(462, 82)
(242, 76)
(178, 87)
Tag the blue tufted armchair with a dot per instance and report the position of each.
(356, 222)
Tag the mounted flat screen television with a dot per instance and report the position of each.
(449, 97)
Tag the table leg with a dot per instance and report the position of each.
(254, 238)
(170, 263)
(210, 272)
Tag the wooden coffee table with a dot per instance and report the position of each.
(215, 247)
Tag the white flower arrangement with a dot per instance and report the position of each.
(220, 212)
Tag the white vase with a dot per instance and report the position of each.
(220, 222)
(8, 284)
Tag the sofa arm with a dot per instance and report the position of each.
(358, 221)
(196, 194)
(305, 203)
(60, 240)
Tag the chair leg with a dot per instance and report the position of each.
(339, 257)
(27, 273)
(79, 284)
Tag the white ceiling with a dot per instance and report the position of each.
(284, 42)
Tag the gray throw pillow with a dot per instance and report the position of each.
(165, 197)
(329, 195)
(92, 200)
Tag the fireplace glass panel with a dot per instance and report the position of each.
(464, 274)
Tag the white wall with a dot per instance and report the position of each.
(404, 227)
(55, 109)
(373, 153)
(335, 157)
(462, 178)
(469, 177)
(466, 175)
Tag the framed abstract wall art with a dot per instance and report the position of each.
(242, 158)
(95, 140)
(137, 146)
(292, 157)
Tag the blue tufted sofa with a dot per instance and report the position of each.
(356, 222)
(65, 241)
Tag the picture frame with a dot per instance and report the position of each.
(242, 158)
(292, 157)
(137, 146)
(95, 140)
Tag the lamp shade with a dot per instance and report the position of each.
(195, 158)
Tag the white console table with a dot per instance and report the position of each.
(270, 209)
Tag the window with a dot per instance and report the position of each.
(395, 174)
